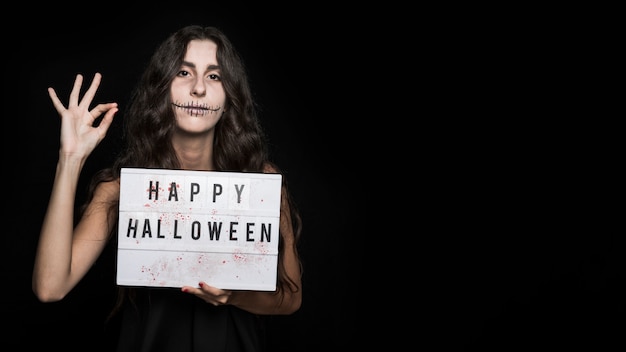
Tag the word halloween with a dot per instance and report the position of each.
(194, 230)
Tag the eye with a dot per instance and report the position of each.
(183, 73)
(214, 77)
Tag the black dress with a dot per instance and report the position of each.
(165, 319)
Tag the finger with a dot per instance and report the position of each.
(91, 92)
(55, 100)
(212, 289)
(74, 95)
(106, 121)
(192, 290)
(101, 109)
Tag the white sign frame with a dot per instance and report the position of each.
(179, 227)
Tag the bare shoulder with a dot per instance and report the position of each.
(270, 168)
(108, 191)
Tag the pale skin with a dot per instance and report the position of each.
(66, 253)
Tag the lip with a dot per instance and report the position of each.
(203, 107)
(196, 109)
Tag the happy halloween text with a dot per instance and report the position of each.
(180, 226)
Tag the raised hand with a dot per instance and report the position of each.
(79, 136)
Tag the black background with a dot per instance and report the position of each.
(293, 61)
(443, 203)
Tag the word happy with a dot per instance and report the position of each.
(194, 191)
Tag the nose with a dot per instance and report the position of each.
(198, 88)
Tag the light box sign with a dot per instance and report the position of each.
(179, 227)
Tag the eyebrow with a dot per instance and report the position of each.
(192, 65)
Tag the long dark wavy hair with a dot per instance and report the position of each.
(149, 121)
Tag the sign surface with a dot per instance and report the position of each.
(180, 227)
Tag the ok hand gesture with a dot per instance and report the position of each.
(79, 136)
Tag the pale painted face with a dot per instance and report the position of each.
(198, 96)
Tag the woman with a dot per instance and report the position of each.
(193, 110)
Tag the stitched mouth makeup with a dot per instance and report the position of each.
(195, 109)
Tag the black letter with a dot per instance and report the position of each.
(232, 231)
(154, 190)
(173, 191)
(195, 189)
(131, 227)
(176, 229)
(239, 190)
(195, 225)
(159, 229)
(265, 232)
(216, 229)
(249, 231)
(146, 229)
(217, 190)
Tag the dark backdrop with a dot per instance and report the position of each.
(493, 233)
(293, 60)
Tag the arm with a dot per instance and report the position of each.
(64, 253)
(264, 302)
